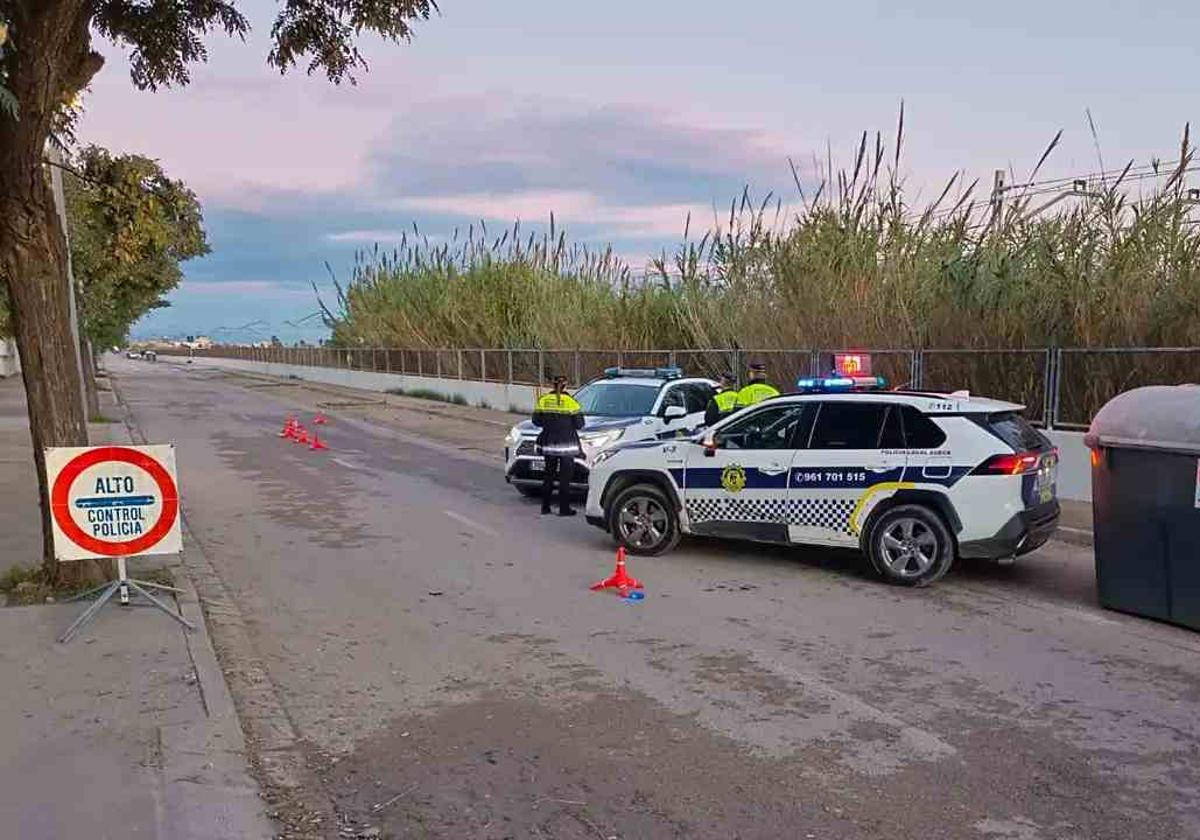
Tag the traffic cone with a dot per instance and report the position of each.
(289, 428)
(620, 580)
(319, 420)
(301, 435)
(316, 441)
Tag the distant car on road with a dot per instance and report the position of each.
(626, 404)
(150, 355)
(912, 479)
(133, 354)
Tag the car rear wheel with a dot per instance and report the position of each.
(910, 545)
(643, 520)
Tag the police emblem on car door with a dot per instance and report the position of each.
(738, 485)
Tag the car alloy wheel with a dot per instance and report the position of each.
(909, 547)
(643, 523)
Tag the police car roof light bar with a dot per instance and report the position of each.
(834, 384)
(649, 373)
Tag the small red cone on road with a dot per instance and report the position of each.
(316, 441)
(319, 420)
(289, 428)
(620, 580)
(301, 434)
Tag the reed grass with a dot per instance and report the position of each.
(855, 265)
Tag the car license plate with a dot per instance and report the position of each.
(537, 465)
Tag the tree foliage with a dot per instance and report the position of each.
(50, 58)
(130, 228)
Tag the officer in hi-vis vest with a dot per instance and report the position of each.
(757, 389)
(724, 402)
(560, 418)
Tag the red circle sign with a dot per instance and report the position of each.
(60, 505)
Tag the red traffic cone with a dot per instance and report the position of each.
(289, 428)
(620, 580)
(319, 420)
(301, 434)
(316, 441)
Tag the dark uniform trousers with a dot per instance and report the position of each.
(562, 469)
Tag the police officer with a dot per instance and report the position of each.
(757, 389)
(560, 418)
(724, 402)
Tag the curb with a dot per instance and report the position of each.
(1073, 536)
(214, 691)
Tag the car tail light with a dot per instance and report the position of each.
(1016, 464)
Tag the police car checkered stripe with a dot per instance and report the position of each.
(813, 513)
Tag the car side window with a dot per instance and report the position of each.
(919, 431)
(697, 395)
(770, 428)
(674, 396)
(892, 435)
(849, 425)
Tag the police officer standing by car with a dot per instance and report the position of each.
(757, 389)
(724, 402)
(560, 418)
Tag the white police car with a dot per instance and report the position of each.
(626, 404)
(913, 479)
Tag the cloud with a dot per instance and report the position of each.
(620, 154)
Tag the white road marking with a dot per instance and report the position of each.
(347, 464)
(470, 523)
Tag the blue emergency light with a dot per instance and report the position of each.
(648, 373)
(835, 384)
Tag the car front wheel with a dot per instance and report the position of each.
(910, 545)
(643, 520)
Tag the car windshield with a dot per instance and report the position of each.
(616, 399)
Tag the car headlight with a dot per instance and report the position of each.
(513, 438)
(599, 440)
(601, 457)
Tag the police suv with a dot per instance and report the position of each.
(912, 479)
(626, 404)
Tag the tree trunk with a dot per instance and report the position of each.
(54, 61)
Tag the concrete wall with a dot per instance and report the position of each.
(1074, 476)
(10, 362)
(1075, 468)
(495, 395)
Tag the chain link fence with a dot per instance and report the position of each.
(1060, 387)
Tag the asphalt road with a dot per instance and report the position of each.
(435, 646)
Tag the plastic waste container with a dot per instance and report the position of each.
(1146, 502)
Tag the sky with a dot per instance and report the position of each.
(621, 118)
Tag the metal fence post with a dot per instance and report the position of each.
(541, 368)
(918, 368)
(458, 354)
(420, 364)
(510, 370)
(437, 358)
(482, 366)
(1056, 369)
(578, 369)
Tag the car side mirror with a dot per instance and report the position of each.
(710, 446)
(674, 412)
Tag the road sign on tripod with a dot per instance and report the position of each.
(114, 502)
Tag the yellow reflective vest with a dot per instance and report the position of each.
(755, 393)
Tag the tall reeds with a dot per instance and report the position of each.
(1112, 261)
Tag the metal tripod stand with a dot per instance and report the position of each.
(120, 587)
